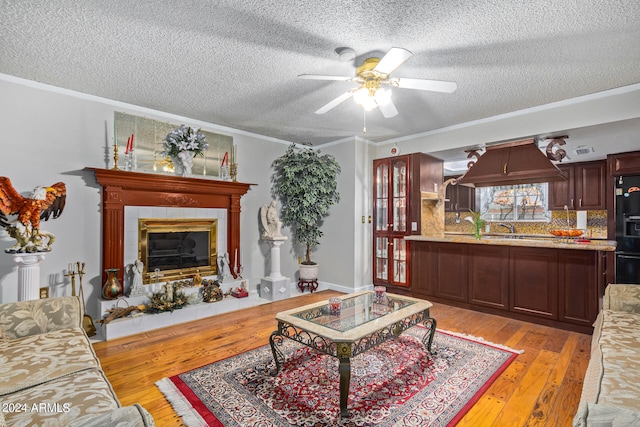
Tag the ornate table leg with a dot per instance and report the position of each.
(427, 339)
(275, 340)
(345, 381)
(344, 368)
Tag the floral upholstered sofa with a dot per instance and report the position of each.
(49, 373)
(611, 390)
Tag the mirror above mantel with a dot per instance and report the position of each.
(148, 135)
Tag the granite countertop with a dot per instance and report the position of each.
(522, 240)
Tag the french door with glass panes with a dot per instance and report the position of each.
(390, 211)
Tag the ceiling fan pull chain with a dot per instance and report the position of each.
(364, 122)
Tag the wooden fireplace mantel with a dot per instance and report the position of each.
(122, 188)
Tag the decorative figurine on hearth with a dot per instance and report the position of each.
(41, 204)
(135, 272)
(211, 291)
(224, 268)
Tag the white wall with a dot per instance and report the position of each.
(344, 252)
(610, 106)
(50, 135)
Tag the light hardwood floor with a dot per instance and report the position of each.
(540, 388)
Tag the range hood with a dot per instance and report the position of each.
(511, 163)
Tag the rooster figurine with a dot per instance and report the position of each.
(41, 204)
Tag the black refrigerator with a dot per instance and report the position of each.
(627, 205)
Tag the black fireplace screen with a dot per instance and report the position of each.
(173, 249)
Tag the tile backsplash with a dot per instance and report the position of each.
(596, 224)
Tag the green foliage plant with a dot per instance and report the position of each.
(306, 184)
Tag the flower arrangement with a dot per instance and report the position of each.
(184, 138)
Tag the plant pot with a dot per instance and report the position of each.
(308, 271)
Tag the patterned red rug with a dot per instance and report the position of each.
(398, 383)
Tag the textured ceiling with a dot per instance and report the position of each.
(235, 63)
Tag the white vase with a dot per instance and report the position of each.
(183, 163)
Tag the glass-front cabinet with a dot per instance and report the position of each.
(396, 199)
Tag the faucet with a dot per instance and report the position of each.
(511, 228)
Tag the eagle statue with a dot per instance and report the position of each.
(42, 204)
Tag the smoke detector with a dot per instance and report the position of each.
(346, 54)
(581, 150)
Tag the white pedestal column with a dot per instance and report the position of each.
(275, 286)
(29, 275)
(275, 259)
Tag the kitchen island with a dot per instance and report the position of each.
(537, 279)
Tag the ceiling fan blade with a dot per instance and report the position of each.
(339, 100)
(388, 109)
(392, 60)
(321, 77)
(420, 84)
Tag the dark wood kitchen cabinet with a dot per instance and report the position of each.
(422, 268)
(459, 198)
(489, 276)
(533, 276)
(624, 163)
(556, 287)
(397, 185)
(585, 188)
(451, 270)
(578, 286)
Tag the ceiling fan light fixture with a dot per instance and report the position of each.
(360, 95)
(369, 103)
(363, 97)
(382, 96)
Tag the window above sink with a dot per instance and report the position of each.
(514, 203)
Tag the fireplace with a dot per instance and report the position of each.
(177, 248)
(122, 189)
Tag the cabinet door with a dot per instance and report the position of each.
(590, 186)
(624, 163)
(399, 194)
(578, 286)
(451, 196)
(451, 271)
(459, 198)
(534, 281)
(466, 198)
(381, 196)
(390, 199)
(561, 193)
(422, 269)
(489, 276)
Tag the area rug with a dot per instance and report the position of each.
(397, 383)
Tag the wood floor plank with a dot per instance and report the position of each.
(483, 413)
(522, 402)
(553, 363)
(545, 409)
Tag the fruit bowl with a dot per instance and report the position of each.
(566, 232)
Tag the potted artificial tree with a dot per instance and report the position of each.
(306, 184)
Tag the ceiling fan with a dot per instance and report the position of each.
(375, 73)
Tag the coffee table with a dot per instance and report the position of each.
(363, 322)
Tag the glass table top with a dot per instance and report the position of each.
(355, 311)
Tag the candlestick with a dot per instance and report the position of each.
(234, 172)
(71, 273)
(115, 158)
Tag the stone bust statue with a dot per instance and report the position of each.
(271, 224)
